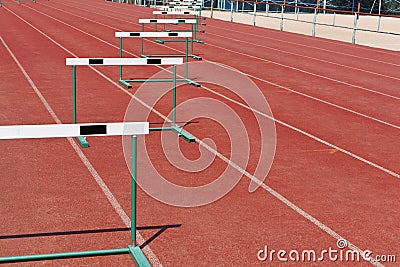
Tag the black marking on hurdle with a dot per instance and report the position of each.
(186, 12)
(181, 21)
(95, 61)
(93, 129)
(154, 61)
(172, 34)
(134, 34)
(153, 20)
(164, 12)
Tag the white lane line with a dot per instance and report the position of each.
(249, 75)
(294, 68)
(316, 222)
(280, 40)
(111, 198)
(306, 72)
(308, 46)
(333, 42)
(276, 120)
(308, 57)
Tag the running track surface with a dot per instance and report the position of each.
(335, 173)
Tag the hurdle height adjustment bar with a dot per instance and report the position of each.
(75, 130)
(143, 35)
(127, 62)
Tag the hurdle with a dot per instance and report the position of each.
(143, 35)
(192, 22)
(74, 62)
(94, 129)
(196, 15)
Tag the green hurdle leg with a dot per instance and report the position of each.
(120, 56)
(174, 97)
(121, 81)
(181, 133)
(133, 190)
(81, 139)
(134, 250)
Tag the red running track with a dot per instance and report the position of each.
(335, 173)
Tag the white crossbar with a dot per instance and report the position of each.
(189, 12)
(73, 130)
(185, 3)
(173, 7)
(123, 61)
(172, 21)
(153, 34)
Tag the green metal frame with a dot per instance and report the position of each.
(178, 130)
(195, 28)
(186, 79)
(174, 127)
(81, 139)
(134, 250)
(192, 40)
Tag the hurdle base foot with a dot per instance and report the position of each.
(159, 41)
(138, 257)
(182, 133)
(126, 84)
(195, 84)
(82, 140)
(196, 57)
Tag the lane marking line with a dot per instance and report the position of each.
(268, 189)
(107, 192)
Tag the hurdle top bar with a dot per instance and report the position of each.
(174, 7)
(176, 12)
(172, 21)
(154, 34)
(123, 61)
(185, 3)
(73, 130)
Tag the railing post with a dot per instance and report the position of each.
(379, 23)
(255, 13)
(334, 19)
(353, 37)
(314, 22)
(232, 3)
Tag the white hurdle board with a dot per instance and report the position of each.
(123, 61)
(185, 7)
(176, 12)
(188, 3)
(166, 21)
(73, 130)
(154, 34)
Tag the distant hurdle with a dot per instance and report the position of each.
(143, 35)
(74, 62)
(74, 130)
(191, 22)
(173, 13)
